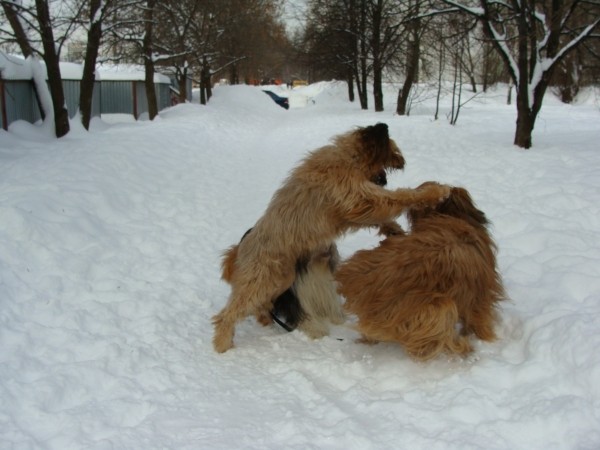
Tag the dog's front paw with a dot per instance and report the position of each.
(432, 193)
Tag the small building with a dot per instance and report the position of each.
(117, 89)
(17, 96)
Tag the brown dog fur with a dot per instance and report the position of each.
(419, 289)
(328, 194)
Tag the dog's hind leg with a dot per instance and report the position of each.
(481, 321)
(224, 325)
(250, 298)
(238, 308)
(431, 330)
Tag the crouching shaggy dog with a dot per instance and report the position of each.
(431, 289)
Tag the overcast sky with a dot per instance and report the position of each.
(294, 12)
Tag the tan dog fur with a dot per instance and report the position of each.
(328, 194)
(430, 289)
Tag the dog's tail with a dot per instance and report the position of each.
(229, 259)
(228, 263)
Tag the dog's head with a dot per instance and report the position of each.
(459, 204)
(377, 150)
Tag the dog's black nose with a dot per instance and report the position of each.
(380, 178)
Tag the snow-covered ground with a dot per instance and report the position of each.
(110, 245)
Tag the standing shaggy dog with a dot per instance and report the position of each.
(430, 289)
(328, 194)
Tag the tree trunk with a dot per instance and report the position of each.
(458, 82)
(182, 82)
(524, 128)
(147, 47)
(412, 68)
(376, 52)
(202, 90)
(86, 90)
(350, 82)
(208, 84)
(470, 66)
(61, 115)
(205, 90)
(377, 88)
(473, 82)
(441, 62)
(362, 89)
(362, 71)
(352, 47)
(233, 74)
(404, 92)
(524, 119)
(567, 78)
(486, 71)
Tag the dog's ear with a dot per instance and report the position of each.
(377, 135)
(379, 132)
(376, 142)
(460, 204)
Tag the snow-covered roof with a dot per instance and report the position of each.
(14, 67)
(125, 72)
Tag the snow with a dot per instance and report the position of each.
(38, 75)
(16, 68)
(110, 245)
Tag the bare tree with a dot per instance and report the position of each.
(532, 38)
(185, 34)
